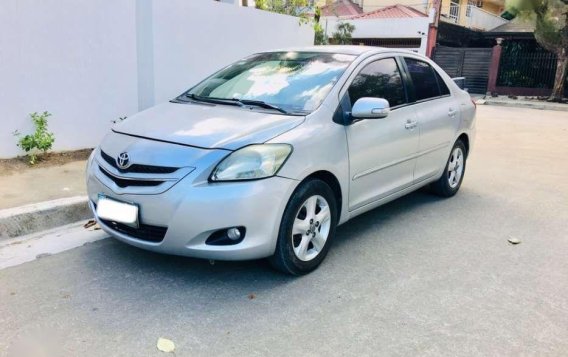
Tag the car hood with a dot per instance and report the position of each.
(207, 126)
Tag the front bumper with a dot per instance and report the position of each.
(193, 209)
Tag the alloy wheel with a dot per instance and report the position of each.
(311, 228)
(455, 167)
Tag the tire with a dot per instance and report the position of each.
(302, 245)
(450, 181)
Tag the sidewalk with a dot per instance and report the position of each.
(34, 199)
(522, 102)
(34, 185)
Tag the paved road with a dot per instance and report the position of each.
(419, 276)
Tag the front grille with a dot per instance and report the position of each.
(144, 232)
(122, 183)
(137, 168)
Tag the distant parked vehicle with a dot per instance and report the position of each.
(267, 156)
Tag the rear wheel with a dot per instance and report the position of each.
(307, 229)
(450, 181)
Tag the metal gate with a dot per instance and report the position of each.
(471, 63)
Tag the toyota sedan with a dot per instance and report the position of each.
(266, 157)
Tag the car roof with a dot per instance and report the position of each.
(341, 49)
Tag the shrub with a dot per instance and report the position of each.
(41, 140)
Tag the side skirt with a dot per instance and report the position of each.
(389, 198)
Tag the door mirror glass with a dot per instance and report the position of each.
(370, 108)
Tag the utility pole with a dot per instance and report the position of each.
(433, 28)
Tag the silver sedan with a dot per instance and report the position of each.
(266, 157)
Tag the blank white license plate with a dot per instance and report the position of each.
(116, 211)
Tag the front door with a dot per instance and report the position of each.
(381, 151)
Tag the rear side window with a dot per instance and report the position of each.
(443, 87)
(424, 79)
(379, 79)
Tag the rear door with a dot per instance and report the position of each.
(438, 117)
(381, 151)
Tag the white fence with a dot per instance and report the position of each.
(90, 62)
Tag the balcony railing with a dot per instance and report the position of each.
(480, 19)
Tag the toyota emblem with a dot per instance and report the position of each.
(123, 160)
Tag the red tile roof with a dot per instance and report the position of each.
(341, 8)
(389, 12)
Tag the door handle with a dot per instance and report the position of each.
(410, 124)
(452, 112)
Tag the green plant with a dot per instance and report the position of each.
(342, 34)
(300, 9)
(320, 38)
(296, 8)
(40, 140)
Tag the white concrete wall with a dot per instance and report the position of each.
(194, 39)
(75, 59)
(92, 61)
(386, 28)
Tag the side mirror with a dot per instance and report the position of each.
(370, 108)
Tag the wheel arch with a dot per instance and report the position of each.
(465, 140)
(332, 181)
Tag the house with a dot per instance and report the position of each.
(395, 26)
(481, 15)
(341, 9)
(373, 5)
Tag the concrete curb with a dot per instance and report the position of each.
(525, 104)
(19, 221)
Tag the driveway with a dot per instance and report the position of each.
(419, 276)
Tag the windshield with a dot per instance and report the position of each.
(296, 82)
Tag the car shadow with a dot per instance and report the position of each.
(373, 219)
(110, 263)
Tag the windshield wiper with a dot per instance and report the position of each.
(236, 101)
(212, 100)
(260, 103)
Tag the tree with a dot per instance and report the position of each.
(320, 38)
(287, 7)
(342, 34)
(300, 9)
(551, 32)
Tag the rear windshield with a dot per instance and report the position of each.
(294, 81)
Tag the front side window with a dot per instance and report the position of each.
(424, 79)
(379, 79)
(295, 81)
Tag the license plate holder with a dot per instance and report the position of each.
(117, 211)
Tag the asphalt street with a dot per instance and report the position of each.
(419, 276)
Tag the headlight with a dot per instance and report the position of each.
(252, 162)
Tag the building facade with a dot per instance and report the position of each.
(395, 26)
(373, 5)
(481, 15)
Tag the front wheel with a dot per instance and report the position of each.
(451, 180)
(307, 229)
